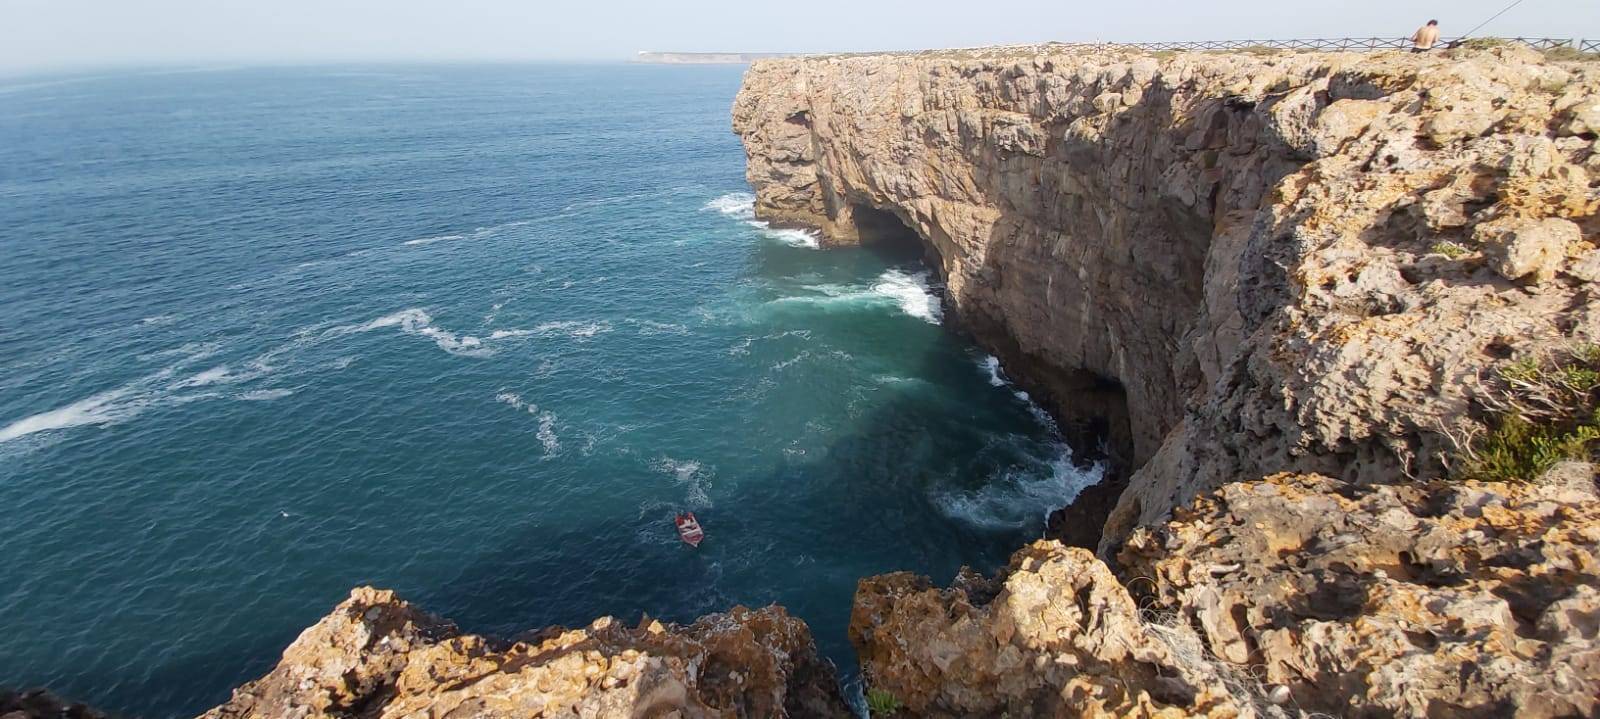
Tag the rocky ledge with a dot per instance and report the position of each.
(377, 656)
(1293, 595)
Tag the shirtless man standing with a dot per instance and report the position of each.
(1425, 37)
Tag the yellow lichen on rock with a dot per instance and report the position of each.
(1293, 595)
(377, 656)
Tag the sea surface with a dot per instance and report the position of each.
(472, 333)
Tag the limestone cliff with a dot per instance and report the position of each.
(1245, 263)
(1295, 595)
(377, 656)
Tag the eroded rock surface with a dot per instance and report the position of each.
(1295, 595)
(1287, 262)
(377, 656)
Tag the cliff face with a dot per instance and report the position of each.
(377, 656)
(1245, 264)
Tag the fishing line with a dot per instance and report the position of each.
(1468, 33)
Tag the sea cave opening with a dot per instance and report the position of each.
(884, 232)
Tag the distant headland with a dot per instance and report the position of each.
(706, 58)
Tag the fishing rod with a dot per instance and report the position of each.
(1503, 11)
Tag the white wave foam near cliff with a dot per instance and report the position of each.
(741, 205)
(794, 238)
(1017, 497)
(910, 292)
(1020, 497)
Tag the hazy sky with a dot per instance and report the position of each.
(45, 34)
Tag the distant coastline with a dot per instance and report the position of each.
(705, 58)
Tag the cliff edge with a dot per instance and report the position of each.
(375, 655)
(1289, 596)
(1238, 264)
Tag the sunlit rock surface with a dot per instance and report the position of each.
(377, 656)
(1294, 595)
(1270, 261)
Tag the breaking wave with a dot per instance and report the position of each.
(1020, 496)
(742, 206)
(794, 238)
(1023, 496)
(911, 293)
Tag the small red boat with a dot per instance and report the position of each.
(689, 529)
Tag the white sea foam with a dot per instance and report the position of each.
(785, 364)
(431, 240)
(265, 395)
(418, 322)
(689, 473)
(575, 329)
(1020, 498)
(547, 433)
(476, 234)
(795, 238)
(651, 327)
(547, 420)
(910, 292)
(991, 365)
(741, 205)
(104, 408)
(215, 375)
(128, 401)
(513, 399)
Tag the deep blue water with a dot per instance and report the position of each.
(468, 332)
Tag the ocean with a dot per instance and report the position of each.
(470, 332)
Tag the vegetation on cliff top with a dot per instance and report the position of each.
(1543, 409)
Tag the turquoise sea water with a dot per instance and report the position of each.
(471, 333)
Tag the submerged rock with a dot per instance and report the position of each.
(1294, 595)
(40, 704)
(377, 656)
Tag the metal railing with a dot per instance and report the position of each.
(1355, 44)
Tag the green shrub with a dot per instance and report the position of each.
(1567, 53)
(882, 703)
(1542, 410)
(1450, 250)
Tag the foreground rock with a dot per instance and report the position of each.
(1289, 596)
(377, 656)
(40, 704)
(1246, 263)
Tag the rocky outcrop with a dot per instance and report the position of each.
(377, 656)
(1295, 595)
(1272, 262)
(40, 704)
